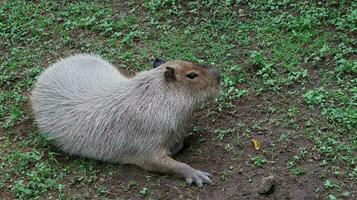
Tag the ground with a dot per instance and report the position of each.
(289, 81)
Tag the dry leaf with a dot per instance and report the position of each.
(256, 144)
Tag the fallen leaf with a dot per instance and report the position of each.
(256, 144)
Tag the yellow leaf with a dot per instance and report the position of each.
(256, 144)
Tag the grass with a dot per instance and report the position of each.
(292, 60)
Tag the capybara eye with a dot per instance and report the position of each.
(192, 75)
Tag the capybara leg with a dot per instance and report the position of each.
(166, 164)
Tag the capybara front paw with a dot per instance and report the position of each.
(199, 178)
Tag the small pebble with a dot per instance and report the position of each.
(267, 185)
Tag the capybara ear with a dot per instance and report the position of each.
(158, 62)
(170, 74)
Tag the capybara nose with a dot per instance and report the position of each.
(216, 74)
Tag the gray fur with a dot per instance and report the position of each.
(91, 110)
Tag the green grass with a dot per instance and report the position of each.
(258, 161)
(299, 53)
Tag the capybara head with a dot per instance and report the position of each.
(197, 80)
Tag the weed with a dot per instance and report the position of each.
(222, 133)
(258, 161)
(224, 176)
(102, 190)
(228, 147)
(330, 185)
(132, 184)
(315, 97)
(145, 191)
(38, 176)
(231, 92)
(332, 197)
(346, 67)
(346, 194)
(297, 171)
